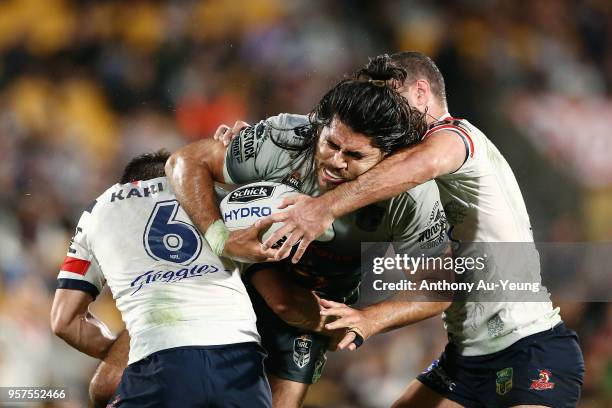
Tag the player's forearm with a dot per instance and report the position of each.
(192, 181)
(302, 312)
(394, 175)
(393, 314)
(87, 334)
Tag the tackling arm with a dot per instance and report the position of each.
(403, 309)
(295, 305)
(309, 217)
(72, 322)
(436, 156)
(396, 313)
(379, 318)
(192, 171)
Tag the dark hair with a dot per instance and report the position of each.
(368, 104)
(146, 166)
(418, 65)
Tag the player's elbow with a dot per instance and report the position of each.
(173, 162)
(419, 165)
(60, 324)
(281, 309)
(187, 162)
(289, 314)
(183, 158)
(430, 168)
(294, 315)
(442, 306)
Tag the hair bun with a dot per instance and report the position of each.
(381, 68)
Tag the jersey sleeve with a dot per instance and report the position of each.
(254, 154)
(80, 269)
(418, 221)
(460, 128)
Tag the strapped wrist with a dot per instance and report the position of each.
(216, 235)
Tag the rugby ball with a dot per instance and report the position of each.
(245, 205)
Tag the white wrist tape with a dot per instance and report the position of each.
(216, 235)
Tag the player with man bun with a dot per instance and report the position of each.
(355, 125)
(484, 204)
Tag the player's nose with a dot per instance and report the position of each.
(338, 160)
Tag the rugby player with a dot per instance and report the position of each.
(355, 125)
(496, 350)
(192, 330)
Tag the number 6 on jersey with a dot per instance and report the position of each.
(166, 238)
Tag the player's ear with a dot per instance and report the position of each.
(423, 92)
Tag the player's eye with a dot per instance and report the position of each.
(332, 145)
(355, 155)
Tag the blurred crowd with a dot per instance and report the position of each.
(85, 85)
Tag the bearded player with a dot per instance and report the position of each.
(355, 125)
(495, 349)
(297, 356)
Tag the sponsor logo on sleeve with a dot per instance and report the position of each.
(244, 147)
(260, 131)
(303, 131)
(235, 150)
(248, 143)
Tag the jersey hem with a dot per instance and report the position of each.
(193, 333)
(506, 341)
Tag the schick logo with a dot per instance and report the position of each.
(248, 194)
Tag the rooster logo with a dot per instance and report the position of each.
(543, 381)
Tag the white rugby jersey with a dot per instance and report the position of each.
(170, 288)
(483, 203)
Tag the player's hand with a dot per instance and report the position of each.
(225, 134)
(243, 245)
(353, 320)
(335, 338)
(305, 219)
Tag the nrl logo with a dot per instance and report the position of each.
(503, 382)
(301, 350)
(248, 194)
(294, 180)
